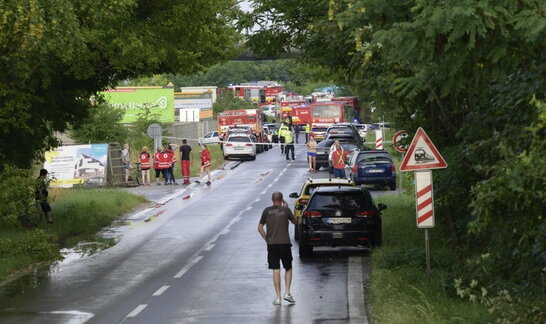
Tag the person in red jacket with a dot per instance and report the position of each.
(144, 158)
(158, 170)
(170, 150)
(205, 163)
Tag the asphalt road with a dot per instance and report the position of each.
(195, 256)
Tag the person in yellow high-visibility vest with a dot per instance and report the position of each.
(289, 140)
(282, 133)
(307, 129)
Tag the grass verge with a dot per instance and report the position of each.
(400, 291)
(78, 215)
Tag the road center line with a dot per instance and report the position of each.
(225, 231)
(137, 310)
(160, 291)
(187, 267)
(248, 208)
(257, 200)
(210, 247)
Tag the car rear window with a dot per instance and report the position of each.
(326, 143)
(312, 187)
(318, 129)
(373, 158)
(342, 199)
(239, 139)
(348, 146)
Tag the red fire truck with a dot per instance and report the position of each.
(328, 113)
(301, 115)
(288, 105)
(242, 120)
(263, 94)
(351, 101)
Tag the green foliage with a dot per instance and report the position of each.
(36, 243)
(138, 132)
(57, 53)
(228, 102)
(471, 73)
(296, 76)
(16, 194)
(102, 125)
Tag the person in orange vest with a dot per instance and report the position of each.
(165, 160)
(169, 149)
(338, 160)
(158, 170)
(144, 158)
(205, 163)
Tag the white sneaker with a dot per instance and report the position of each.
(289, 298)
(277, 301)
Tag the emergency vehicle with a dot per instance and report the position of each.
(262, 94)
(242, 120)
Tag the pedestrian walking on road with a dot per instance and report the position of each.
(282, 134)
(279, 248)
(185, 156)
(338, 160)
(312, 153)
(205, 164)
(144, 158)
(297, 132)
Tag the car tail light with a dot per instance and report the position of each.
(303, 201)
(248, 144)
(355, 168)
(229, 144)
(311, 213)
(366, 214)
(393, 168)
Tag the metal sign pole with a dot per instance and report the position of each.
(427, 252)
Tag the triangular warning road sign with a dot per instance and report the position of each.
(422, 154)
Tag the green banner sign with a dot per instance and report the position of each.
(135, 100)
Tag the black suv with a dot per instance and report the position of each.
(340, 216)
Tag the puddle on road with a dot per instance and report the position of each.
(39, 273)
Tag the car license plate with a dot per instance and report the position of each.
(337, 235)
(374, 170)
(238, 148)
(339, 220)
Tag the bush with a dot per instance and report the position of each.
(16, 194)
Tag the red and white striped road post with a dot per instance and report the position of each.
(424, 205)
(379, 139)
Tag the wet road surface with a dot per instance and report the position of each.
(195, 256)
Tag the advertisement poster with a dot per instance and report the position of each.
(134, 100)
(83, 165)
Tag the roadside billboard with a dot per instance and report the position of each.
(135, 99)
(77, 165)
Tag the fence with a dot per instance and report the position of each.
(190, 131)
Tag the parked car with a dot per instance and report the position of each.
(362, 130)
(372, 167)
(340, 216)
(318, 133)
(209, 138)
(307, 189)
(342, 129)
(324, 149)
(269, 110)
(240, 146)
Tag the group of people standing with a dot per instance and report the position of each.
(164, 161)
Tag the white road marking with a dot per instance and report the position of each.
(248, 208)
(225, 231)
(236, 219)
(257, 200)
(210, 247)
(160, 291)
(77, 317)
(355, 292)
(263, 192)
(187, 267)
(137, 310)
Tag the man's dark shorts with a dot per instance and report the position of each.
(45, 207)
(277, 253)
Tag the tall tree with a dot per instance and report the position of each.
(55, 54)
